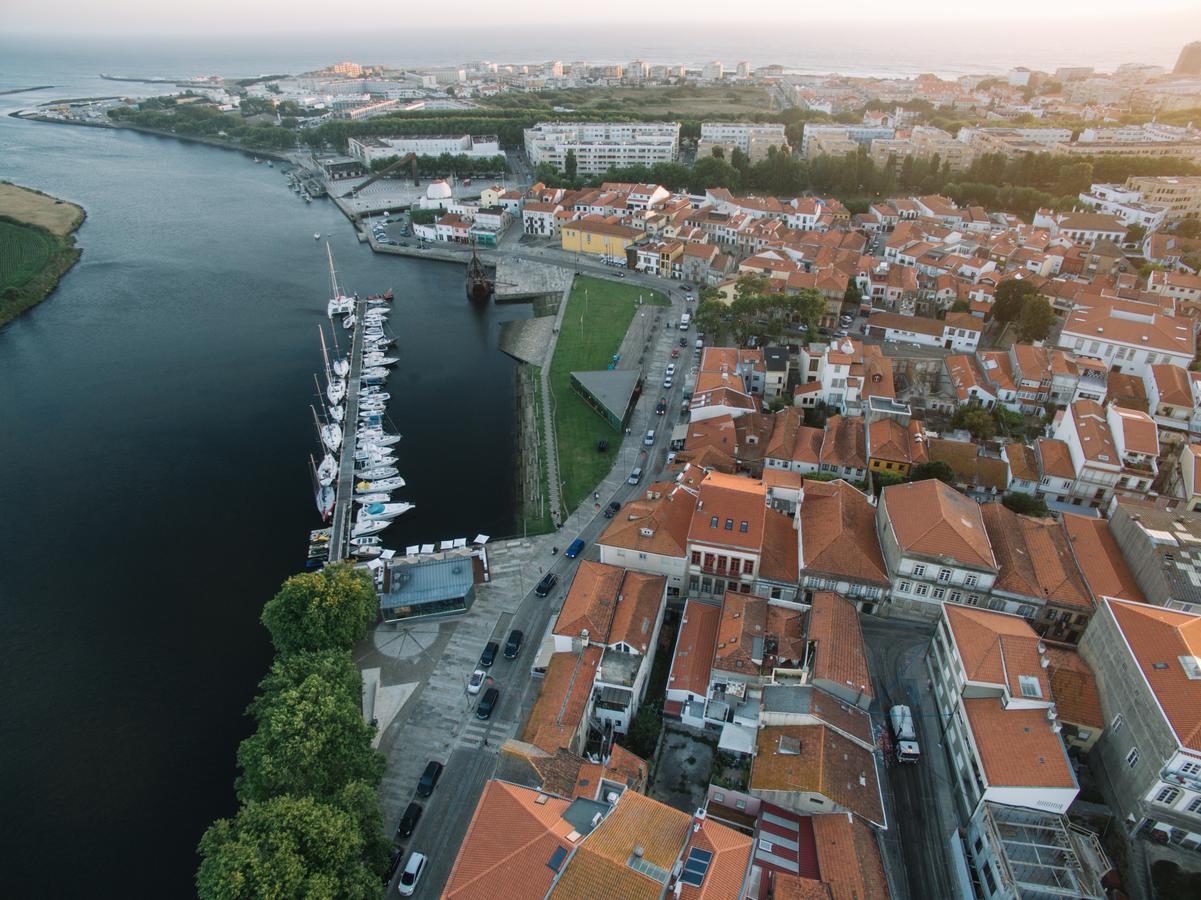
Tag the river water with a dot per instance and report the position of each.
(154, 441)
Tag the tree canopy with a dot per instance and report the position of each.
(1025, 504)
(285, 847)
(976, 420)
(321, 610)
(933, 469)
(1010, 298)
(1036, 319)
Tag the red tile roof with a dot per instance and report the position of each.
(933, 519)
(1017, 746)
(838, 534)
(697, 639)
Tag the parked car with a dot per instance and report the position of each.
(547, 584)
(667, 382)
(683, 342)
(487, 703)
(611, 509)
(513, 644)
(650, 437)
(488, 657)
(409, 820)
(661, 406)
(635, 475)
(429, 778)
(478, 677)
(671, 369)
(675, 352)
(574, 548)
(411, 874)
(393, 865)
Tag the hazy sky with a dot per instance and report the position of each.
(231, 16)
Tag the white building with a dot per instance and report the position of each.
(713, 71)
(753, 139)
(1127, 336)
(1112, 450)
(1125, 203)
(599, 146)
(369, 149)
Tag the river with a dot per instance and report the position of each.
(154, 439)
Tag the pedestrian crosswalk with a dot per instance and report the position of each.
(476, 731)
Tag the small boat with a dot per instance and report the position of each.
(341, 368)
(270, 164)
(379, 472)
(369, 526)
(317, 236)
(378, 359)
(367, 552)
(379, 461)
(375, 372)
(331, 436)
(335, 391)
(378, 438)
(377, 497)
(374, 393)
(365, 542)
(321, 534)
(382, 485)
(325, 500)
(328, 470)
(337, 413)
(373, 451)
(384, 510)
(348, 322)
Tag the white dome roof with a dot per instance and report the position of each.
(438, 190)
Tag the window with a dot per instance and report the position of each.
(973, 600)
(1167, 796)
(956, 597)
(970, 581)
(938, 593)
(904, 587)
(729, 524)
(944, 574)
(1116, 725)
(1030, 686)
(919, 571)
(742, 526)
(719, 798)
(996, 605)
(696, 557)
(748, 566)
(713, 522)
(740, 804)
(1025, 611)
(921, 590)
(1132, 757)
(1190, 768)
(1194, 805)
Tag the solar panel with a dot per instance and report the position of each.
(556, 858)
(696, 866)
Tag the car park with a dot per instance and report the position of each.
(513, 644)
(635, 475)
(411, 874)
(429, 778)
(476, 681)
(487, 703)
(488, 657)
(547, 584)
(409, 820)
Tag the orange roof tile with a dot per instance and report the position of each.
(1074, 687)
(933, 519)
(693, 659)
(727, 869)
(656, 525)
(840, 655)
(591, 601)
(637, 609)
(510, 839)
(1100, 558)
(778, 560)
(1017, 746)
(1158, 637)
(731, 500)
(824, 763)
(848, 858)
(838, 534)
(562, 700)
(1055, 458)
(996, 648)
(1034, 558)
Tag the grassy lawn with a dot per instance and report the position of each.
(36, 208)
(597, 317)
(536, 516)
(24, 250)
(679, 101)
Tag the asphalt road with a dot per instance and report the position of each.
(448, 811)
(916, 843)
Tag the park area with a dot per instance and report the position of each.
(35, 246)
(596, 320)
(674, 102)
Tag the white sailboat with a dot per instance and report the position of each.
(328, 470)
(375, 436)
(379, 485)
(341, 367)
(337, 413)
(377, 497)
(339, 303)
(335, 391)
(369, 526)
(384, 510)
(379, 472)
(331, 433)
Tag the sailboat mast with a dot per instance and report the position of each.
(324, 355)
(333, 275)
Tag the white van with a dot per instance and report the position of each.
(685, 320)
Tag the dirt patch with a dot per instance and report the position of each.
(26, 205)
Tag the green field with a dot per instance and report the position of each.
(679, 101)
(24, 250)
(598, 315)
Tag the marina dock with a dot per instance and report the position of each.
(343, 517)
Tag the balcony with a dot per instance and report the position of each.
(1177, 777)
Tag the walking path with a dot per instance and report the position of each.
(553, 495)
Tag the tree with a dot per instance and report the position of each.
(644, 732)
(547, 174)
(321, 610)
(1036, 319)
(976, 420)
(333, 667)
(1025, 504)
(570, 165)
(960, 306)
(285, 847)
(881, 480)
(934, 469)
(1010, 298)
(708, 317)
(1189, 228)
(711, 172)
(310, 741)
(809, 306)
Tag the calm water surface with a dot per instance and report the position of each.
(154, 437)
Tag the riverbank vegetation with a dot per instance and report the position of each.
(37, 246)
(598, 315)
(310, 823)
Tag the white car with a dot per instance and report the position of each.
(411, 874)
(478, 677)
(671, 369)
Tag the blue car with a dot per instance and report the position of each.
(574, 550)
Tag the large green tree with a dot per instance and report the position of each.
(809, 306)
(286, 847)
(321, 610)
(933, 469)
(1010, 298)
(570, 165)
(976, 420)
(311, 740)
(1036, 319)
(1025, 504)
(333, 667)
